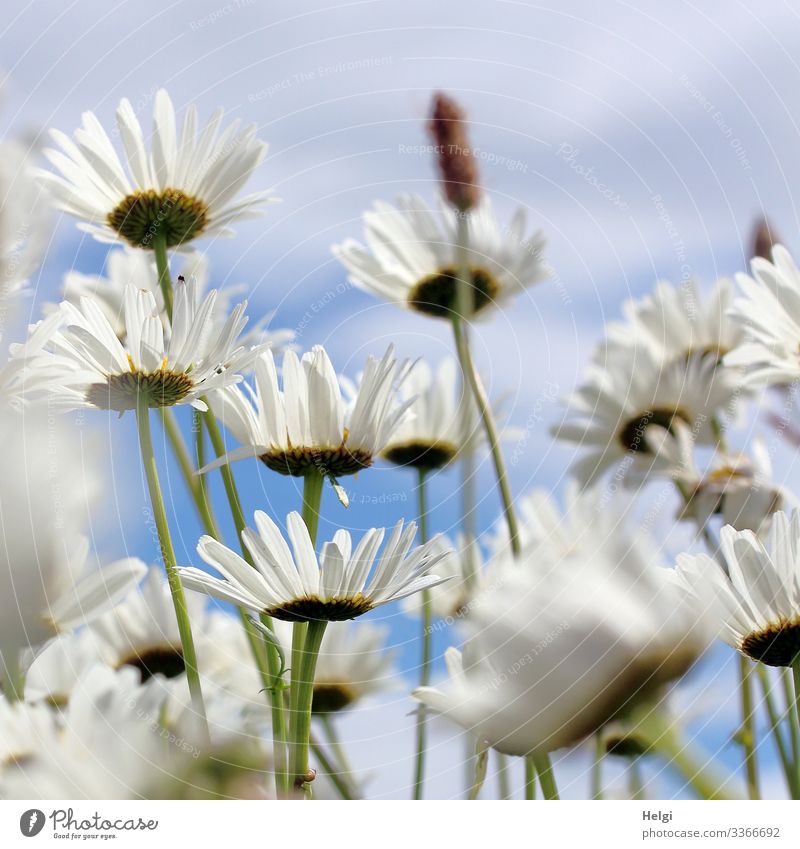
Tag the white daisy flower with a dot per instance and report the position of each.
(410, 258)
(630, 411)
(306, 423)
(128, 267)
(592, 520)
(757, 603)
(431, 437)
(297, 586)
(56, 669)
(27, 374)
(769, 312)
(553, 658)
(101, 746)
(25, 730)
(142, 631)
(91, 367)
(353, 663)
(737, 487)
(677, 322)
(184, 188)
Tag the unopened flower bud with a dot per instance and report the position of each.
(764, 239)
(455, 158)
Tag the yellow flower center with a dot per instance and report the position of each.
(436, 294)
(141, 217)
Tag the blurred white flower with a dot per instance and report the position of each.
(558, 650)
(677, 322)
(102, 745)
(25, 225)
(737, 487)
(128, 267)
(297, 586)
(353, 663)
(613, 412)
(56, 669)
(142, 630)
(184, 188)
(45, 587)
(410, 258)
(307, 424)
(757, 604)
(431, 437)
(90, 367)
(592, 520)
(769, 313)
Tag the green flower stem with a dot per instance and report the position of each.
(635, 783)
(747, 734)
(336, 776)
(503, 782)
(777, 734)
(425, 662)
(299, 631)
(473, 381)
(193, 482)
(597, 766)
(14, 681)
(210, 526)
(303, 683)
(162, 265)
(530, 779)
(346, 771)
(708, 539)
(312, 499)
(306, 642)
(547, 779)
(480, 762)
(170, 564)
(787, 677)
(660, 736)
(200, 454)
(267, 662)
(199, 441)
(469, 496)
(796, 681)
(197, 488)
(231, 491)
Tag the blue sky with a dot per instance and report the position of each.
(644, 139)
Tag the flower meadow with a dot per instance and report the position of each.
(229, 674)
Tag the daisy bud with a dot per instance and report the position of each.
(456, 163)
(764, 238)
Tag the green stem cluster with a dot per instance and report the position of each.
(776, 729)
(661, 737)
(170, 563)
(747, 734)
(306, 643)
(267, 662)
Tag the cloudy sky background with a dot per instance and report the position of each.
(643, 139)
